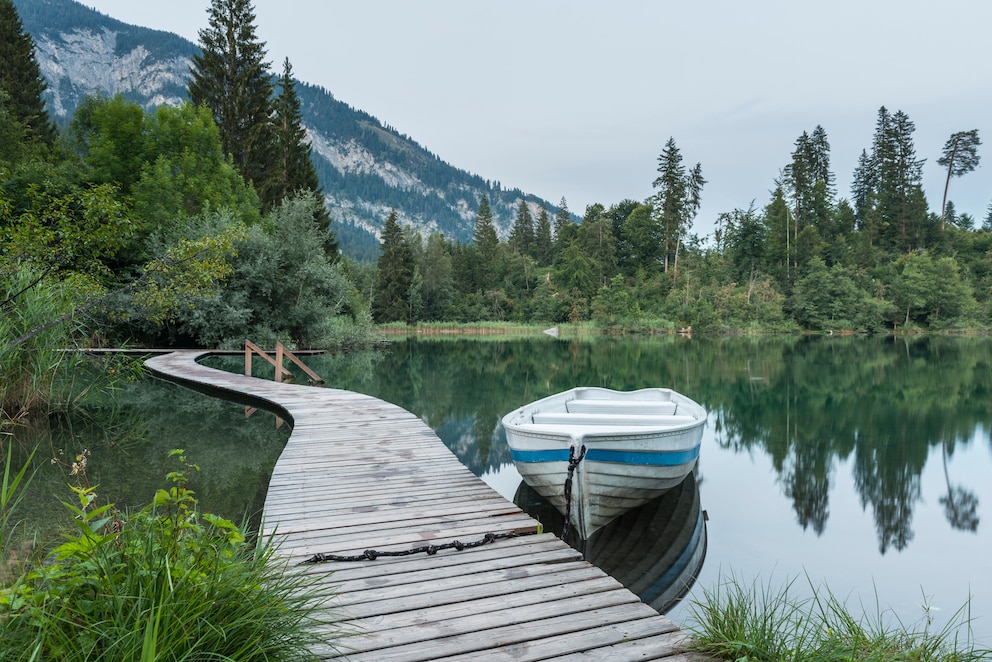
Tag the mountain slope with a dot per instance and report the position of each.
(365, 167)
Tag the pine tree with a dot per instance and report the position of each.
(810, 182)
(563, 217)
(394, 276)
(677, 200)
(486, 244)
(887, 188)
(543, 246)
(564, 230)
(960, 156)
(230, 77)
(863, 186)
(296, 171)
(522, 234)
(20, 77)
(901, 198)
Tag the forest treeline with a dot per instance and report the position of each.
(205, 223)
(807, 258)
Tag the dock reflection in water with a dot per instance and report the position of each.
(656, 550)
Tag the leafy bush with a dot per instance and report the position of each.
(165, 583)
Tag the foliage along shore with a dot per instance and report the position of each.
(205, 223)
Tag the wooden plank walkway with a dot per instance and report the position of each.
(359, 473)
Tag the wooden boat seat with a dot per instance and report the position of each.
(591, 406)
(615, 420)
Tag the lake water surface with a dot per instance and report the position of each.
(859, 464)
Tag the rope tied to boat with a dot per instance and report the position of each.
(573, 464)
(430, 550)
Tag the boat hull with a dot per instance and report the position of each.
(638, 445)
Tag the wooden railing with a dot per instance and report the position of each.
(281, 372)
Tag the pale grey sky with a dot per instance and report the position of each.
(576, 98)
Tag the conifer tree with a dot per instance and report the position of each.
(295, 170)
(20, 77)
(960, 156)
(564, 230)
(394, 275)
(887, 187)
(543, 247)
(486, 245)
(230, 77)
(522, 234)
(677, 200)
(863, 185)
(902, 205)
(563, 217)
(810, 182)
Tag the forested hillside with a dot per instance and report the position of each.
(365, 167)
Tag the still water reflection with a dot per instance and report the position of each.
(860, 464)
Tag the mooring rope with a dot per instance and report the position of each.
(430, 550)
(573, 463)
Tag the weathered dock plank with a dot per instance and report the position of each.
(359, 473)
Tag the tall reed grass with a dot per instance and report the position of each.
(764, 623)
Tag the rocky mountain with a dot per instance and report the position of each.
(366, 167)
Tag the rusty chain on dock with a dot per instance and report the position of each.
(430, 550)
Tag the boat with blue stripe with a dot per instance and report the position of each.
(625, 447)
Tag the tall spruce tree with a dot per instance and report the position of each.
(863, 187)
(809, 180)
(543, 247)
(20, 77)
(902, 204)
(677, 200)
(521, 237)
(295, 170)
(890, 207)
(394, 275)
(563, 217)
(230, 77)
(485, 243)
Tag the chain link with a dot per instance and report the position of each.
(573, 463)
(430, 550)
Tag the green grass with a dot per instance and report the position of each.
(762, 623)
(165, 583)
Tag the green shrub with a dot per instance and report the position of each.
(165, 583)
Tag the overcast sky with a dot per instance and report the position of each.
(576, 98)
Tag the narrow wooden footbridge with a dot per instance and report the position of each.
(362, 474)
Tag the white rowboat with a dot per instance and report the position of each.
(637, 445)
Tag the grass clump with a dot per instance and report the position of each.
(761, 623)
(165, 583)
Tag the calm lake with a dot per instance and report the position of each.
(859, 464)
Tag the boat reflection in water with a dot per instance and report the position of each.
(656, 550)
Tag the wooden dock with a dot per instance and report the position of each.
(359, 473)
